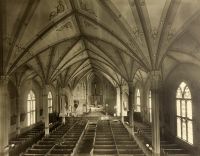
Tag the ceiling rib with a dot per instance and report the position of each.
(39, 36)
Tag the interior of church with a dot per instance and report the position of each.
(99, 77)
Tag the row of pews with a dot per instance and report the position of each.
(62, 141)
(112, 138)
(81, 137)
(23, 141)
(168, 148)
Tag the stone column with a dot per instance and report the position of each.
(121, 104)
(18, 103)
(86, 94)
(117, 107)
(144, 101)
(58, 92)
(4, 116)
(63, 110)
(155, 80)
(130, 103)
(45, 109)
(57, 101)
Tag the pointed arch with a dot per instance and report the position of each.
(31, 108)
(184, 119)
(149, 107)
(50, 105)
(138, 101)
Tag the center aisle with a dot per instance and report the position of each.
(104, 141)
(112, 139)
(125, 143)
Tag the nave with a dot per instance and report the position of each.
(107, 137)
(95, 134)
(104, 77)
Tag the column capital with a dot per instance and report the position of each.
(155, 76)
(62, 91)
(116, 86)
(121, 85)
(62, 88)
(4, 79)
(18, 89)
(121, 89)
(130, 84)
(45, 88)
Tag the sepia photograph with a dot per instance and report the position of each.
(99, 77)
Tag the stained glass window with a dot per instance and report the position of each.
(184, 113)
(138, 104)
(50, 107)
(31, 108)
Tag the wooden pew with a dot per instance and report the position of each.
(45, 145)
(27, 139)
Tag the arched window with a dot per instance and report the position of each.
(150, 107)
(50, 110)
(138, 105)
(184, 113)
(31, 108)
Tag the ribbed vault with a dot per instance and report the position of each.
(122, 40)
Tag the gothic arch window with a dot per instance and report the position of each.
(138, 103)
(31, 111)
(150, 107)
(50, 106)
(184, 113)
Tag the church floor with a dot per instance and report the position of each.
(85, 137)
(97, 134)
(96, 114)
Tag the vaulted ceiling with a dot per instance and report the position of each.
(66, 40)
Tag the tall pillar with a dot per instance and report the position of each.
(63, 110)
(143, 104)
(155, 79)
(121, 104)
(4, 116)
(60, 100)
(130, 103)
(18, 103)
(86, 94)
(45, 109)
(117, 107)
(57, 101)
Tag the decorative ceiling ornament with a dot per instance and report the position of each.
(135, 32)
(142, 2)
(87, 6)
(154, 33)
(60, 8)
(88, 24)
(67, 25)
(139, 35)
(170, 35)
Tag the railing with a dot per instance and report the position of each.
(61, 138)
(79, 140)
(162, 152)
(94, 139)
(140, 144)
(114, 138)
